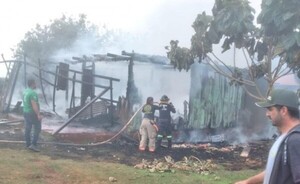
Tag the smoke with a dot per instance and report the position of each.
(151, 79)
(238, 135)
(94, 43)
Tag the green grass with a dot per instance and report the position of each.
(25, 167)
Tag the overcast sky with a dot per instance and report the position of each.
(155, 22)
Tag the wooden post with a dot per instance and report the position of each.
(25, 72)
(82, 109)
(14, 74)
(41, 83)
(54, 88)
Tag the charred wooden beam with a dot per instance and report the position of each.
(131, 54)
(11, 121)
(10, 89)
(83, 58)
(105, 99)
(95, 75)
(119, 57)
(7, 66)
(146, 58)
(101, 57)
(82, 109)
(79, 81)
(41, 84)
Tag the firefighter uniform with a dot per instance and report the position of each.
(148, 129)
(164, 121)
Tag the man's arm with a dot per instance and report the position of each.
(172, 108)
(293, 156)
(257, 179)
(36, 109)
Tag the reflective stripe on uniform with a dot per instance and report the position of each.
(169, 137)
(160, 136)
(151, 150)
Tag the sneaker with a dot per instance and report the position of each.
(33, 148)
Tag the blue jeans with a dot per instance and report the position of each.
(31, 121)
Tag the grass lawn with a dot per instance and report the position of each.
(25, 167)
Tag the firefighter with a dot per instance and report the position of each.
(164, 121)
(148, 128)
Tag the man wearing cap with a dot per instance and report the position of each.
(283, 165)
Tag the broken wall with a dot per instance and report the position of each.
(213, 102)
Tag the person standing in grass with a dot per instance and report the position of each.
(283, 165)
(32, 116)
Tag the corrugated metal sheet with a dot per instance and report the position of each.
(213, 102)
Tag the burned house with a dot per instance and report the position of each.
(110, 88)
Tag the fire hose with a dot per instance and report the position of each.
(83, 145)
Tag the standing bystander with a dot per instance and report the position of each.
(32, 116)
(283, 165)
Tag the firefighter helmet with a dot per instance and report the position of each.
(164, 98)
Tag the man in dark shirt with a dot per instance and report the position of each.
(283, 165)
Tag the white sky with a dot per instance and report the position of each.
(156, 22)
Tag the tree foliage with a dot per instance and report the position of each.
(280, 27)
(43, 41)
(271, 48)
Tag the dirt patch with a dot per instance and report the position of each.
(125, 152)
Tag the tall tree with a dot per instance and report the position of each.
(271, 49)
(43, 41)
